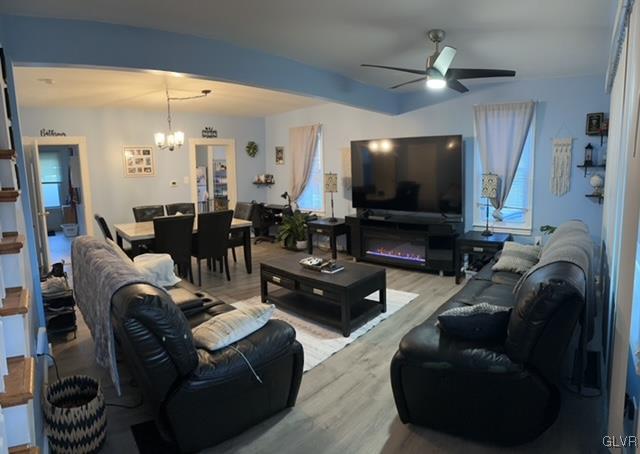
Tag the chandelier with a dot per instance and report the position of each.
(173, 139)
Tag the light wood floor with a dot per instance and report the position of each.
(345, 404)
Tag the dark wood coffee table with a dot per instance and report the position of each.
(338, 299)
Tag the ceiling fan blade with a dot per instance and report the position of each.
(407, 83)
(444, 59)
(468, 73)
(455, 84)
(405, 70)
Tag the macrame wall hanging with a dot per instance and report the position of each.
(561, 166)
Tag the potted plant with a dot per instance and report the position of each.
(293, 231)
(546, 230)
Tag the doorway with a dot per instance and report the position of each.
(61, 200)
(212, 170)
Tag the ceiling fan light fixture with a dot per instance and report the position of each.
(436, 83)
(438, 72)
(435, 80)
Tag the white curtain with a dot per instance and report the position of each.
(303, 142)
(501, 131)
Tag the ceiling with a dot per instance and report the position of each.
(98, 88)
(539, 39)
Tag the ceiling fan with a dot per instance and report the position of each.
(438, 72)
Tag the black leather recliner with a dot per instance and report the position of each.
(201, 398)
(501, 392)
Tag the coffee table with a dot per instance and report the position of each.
(338, 299)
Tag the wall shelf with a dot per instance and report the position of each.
(586, 167)
(599, 197)
(258, 183)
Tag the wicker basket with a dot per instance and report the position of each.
(75, 416)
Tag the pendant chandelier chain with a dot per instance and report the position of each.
(168, 109)
(173, 140)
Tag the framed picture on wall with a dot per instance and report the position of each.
(594, 123)
(280, 155)
(138, 161)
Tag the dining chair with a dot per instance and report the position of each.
(145, 213)
(211, 241)
(244, 210)
(182, 208)
(173, 236)
(104, 228)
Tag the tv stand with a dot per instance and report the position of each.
(413, 242)
(379, 217)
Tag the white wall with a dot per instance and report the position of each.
(108, 130)
(562, 106)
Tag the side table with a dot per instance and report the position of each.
(332, 230)
(474, 243)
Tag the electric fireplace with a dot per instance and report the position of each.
(398, 248)
(407, 242)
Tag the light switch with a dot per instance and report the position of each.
(185, 180)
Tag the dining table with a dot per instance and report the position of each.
(138, 233)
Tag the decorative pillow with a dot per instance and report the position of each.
(517, 257)
(480, 322)
(228, 327)
(157, 268)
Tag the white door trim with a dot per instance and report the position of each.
(232, 184)
(85, 180)
(30, 148)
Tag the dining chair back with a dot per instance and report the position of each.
(104, 227)
(244, 210)
(182, 208)
(212, 239)
(146, 213)
(173, 236)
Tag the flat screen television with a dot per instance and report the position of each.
(415, 174)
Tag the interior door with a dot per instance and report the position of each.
(39, 214)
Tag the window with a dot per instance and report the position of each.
(51, 178)
(312, 197)
(517, 211)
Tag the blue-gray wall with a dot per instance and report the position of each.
(561, 108)
(108, 130)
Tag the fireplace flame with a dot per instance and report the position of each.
(396, 254)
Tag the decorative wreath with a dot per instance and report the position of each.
(252, 149)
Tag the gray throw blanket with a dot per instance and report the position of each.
(99, 271)
(571, 242)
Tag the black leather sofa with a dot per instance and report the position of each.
(501, 392)
(201, 398)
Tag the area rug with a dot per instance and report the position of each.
(320, 342)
